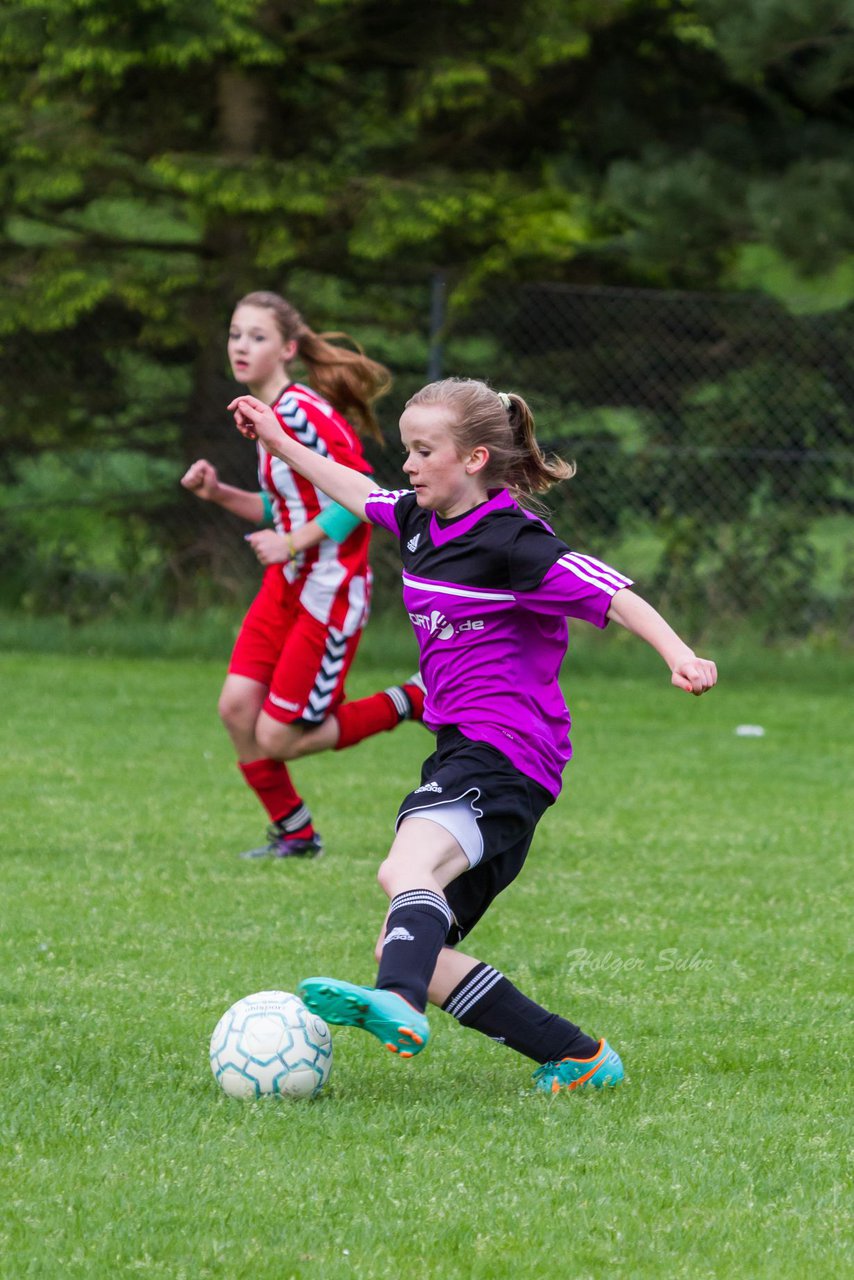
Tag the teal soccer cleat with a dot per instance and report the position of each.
(393, 1020)
(603, 1070)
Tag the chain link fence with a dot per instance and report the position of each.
(712, 434)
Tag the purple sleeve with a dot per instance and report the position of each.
(576, 586)
(380, 508)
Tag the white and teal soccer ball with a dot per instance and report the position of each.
(270, 1044)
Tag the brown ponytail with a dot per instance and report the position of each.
(348, 379)
(503, 425)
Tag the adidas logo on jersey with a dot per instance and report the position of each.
(412, 544)
(428, 786)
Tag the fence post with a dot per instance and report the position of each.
(437, 324)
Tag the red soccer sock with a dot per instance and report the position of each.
(382, 711)
(272, 784)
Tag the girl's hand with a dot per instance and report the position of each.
(270, 547)
(695, 675)
(202, 480)
(257, 421)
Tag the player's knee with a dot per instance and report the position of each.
(279, 741)
(234, 712)
(272, 739)
(385, 877)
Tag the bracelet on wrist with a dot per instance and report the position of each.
(292, 551)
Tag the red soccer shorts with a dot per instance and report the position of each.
(303, 662)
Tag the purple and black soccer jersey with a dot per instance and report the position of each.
(488, 595)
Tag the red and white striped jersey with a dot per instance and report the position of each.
(333, 579)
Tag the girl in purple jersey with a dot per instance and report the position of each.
(488, 588)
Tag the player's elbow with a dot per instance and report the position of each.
(621, 603)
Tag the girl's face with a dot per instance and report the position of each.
(443, 481)
(257, 351)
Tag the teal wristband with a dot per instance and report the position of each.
(337, 522)
(267, 517)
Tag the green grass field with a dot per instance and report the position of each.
(686, 897)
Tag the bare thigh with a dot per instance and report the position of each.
(423, 856)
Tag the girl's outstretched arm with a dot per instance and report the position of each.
(257, 421)
(203, 480)
(694, 675)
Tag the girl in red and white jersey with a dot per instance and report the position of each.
(283, 696)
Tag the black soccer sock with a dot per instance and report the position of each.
(416, 929)
(488, 1002)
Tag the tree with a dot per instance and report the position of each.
(160, 159)
(158, 155)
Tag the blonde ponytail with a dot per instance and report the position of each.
(502, 423)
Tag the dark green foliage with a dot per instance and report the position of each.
(79, 533)
(168, 153)
(160, 159)
(711, 575)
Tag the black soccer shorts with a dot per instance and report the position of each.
(505, 807)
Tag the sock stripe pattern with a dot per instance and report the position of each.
(296, 820)
(422, 898)
(489, 1003)
(416, 930)
(482, 980)
(402, 705)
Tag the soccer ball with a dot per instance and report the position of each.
(269, 1043)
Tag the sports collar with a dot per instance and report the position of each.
(440, 534)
